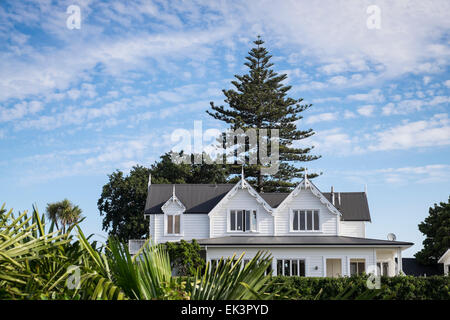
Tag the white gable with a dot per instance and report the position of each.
(306, 185)
(306, 196)
(173, 204)
(241, 197)
(242, 185)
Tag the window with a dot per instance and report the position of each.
(305, 220)
(173, 224)
(357, 266)
(383, 268)
(243, 220)
(291, 267)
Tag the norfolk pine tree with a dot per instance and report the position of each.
(260, 101)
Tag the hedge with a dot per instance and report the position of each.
(399, 287)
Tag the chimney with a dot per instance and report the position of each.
(332, 195)
(339, 198)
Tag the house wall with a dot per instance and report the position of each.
(242, 199)
(305, 199)
(352, 229)
(193, 226)
(315, 258)
(388, 256)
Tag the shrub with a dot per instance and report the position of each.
(398, 288)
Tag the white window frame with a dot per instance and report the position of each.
(166, 224)
(240, 231)
(275, 262)
(388, 261)
(366, 259)
(291, 221)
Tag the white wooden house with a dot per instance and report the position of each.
(308, 232)
(445, 260)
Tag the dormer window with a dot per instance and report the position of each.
(242, 220)
(305, 220)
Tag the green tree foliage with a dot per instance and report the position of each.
(167, 171)
(63, 214)
(260, 101)
(436, 228)
(392, 288)
(122, 201)
(185, 257)
(35, 264)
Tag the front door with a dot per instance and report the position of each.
(334, 268)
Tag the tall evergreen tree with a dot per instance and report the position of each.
(436, 228)
(260, 101)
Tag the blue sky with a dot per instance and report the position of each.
(77, 104)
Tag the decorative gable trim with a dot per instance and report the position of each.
(304, 185)
(172, 199)
(243, 184)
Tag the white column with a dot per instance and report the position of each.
(399, 261)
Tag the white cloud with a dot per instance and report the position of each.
(366, 110)
(425, 133)
(20, 110)
(349, 115)
(408, 106)
(327, 116)
(329, 99)
(332, 141)
(374, 95)
(425, 174)
(426, 80)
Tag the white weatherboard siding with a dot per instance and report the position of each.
(315, 258)
(193, 226)
(352, 229)
(241, 200)
(305, 200)
(388, 256)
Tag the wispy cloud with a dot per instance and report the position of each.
(425, 133)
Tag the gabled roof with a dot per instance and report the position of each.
(300, 241)
(197, 198)
(202, 198)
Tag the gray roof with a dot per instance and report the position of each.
(412, 267)
(299, 241)
(197, 198)
(202, 198)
